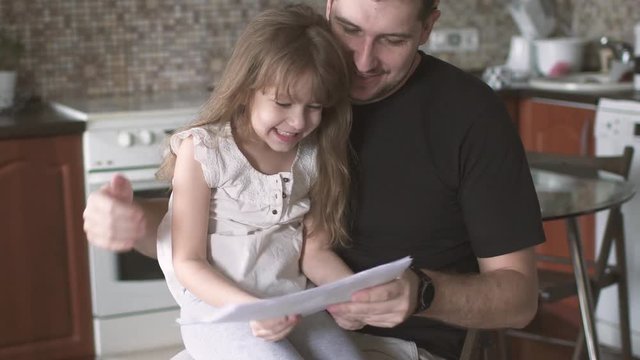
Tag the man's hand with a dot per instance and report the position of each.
(385, 305)
(504, 294)
(112, 220)
(345, 320)
(274, 329)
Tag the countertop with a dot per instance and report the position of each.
(94, 109)
(585, 98)
(524, 90)
(74, 115)
(36, 118)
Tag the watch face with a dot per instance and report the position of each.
(426, 291)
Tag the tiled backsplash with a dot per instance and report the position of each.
(589, 19)
(101, 47)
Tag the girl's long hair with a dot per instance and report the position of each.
(277, 48)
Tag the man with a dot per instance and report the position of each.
(440, 174)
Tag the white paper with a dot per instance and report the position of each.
(311, 300)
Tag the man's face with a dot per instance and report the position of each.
(383, 37)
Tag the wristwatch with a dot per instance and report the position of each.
(426, 290)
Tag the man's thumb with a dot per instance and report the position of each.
(120, 188)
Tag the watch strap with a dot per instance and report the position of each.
(426, 290)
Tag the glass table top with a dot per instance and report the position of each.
(563, 195)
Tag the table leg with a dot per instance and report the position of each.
(584, 288)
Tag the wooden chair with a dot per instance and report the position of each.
(557, 285)
(484, 345)
(470, 347)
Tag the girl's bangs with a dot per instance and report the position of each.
(285, 76)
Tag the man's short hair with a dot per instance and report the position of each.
(427, 6)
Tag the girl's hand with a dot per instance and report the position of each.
(274, 329)
(347, 323)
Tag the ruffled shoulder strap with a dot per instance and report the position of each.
(205, 143)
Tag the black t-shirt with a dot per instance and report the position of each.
(439, 174)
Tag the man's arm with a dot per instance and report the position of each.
(153, 210)
(504, 294)
(113, 220)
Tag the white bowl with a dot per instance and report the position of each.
(559, 56)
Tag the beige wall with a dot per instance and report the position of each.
(123, 46)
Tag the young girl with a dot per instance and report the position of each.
(271, 142)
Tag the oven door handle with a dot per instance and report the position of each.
(146, 176)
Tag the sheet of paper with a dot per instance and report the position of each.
(311, 300)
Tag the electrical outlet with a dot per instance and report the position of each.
(452, 40)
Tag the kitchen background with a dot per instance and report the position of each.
(103, 47)
(85, 48)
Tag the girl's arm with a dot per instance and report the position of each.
(319, 262)
(189, 225)
(191, 200)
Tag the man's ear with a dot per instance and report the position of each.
(428, 26)
(328, 9)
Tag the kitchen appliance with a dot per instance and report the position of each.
(132, 307)
(618, 125)
(520, 59)
(535, 19)
(556, 57)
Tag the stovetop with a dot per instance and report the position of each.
(109, 107)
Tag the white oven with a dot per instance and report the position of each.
(132, 307)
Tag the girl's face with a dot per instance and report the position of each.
(282, 122)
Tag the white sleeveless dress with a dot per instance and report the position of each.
(255, 220)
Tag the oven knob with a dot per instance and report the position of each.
(125, 139)
(146, 137)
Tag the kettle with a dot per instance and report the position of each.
(535, 19)
(520, 59)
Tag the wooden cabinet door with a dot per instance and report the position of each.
(557, 127)
(565, 128)
(45, 306)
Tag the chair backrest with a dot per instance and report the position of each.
(469, 348)
(584, 166)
